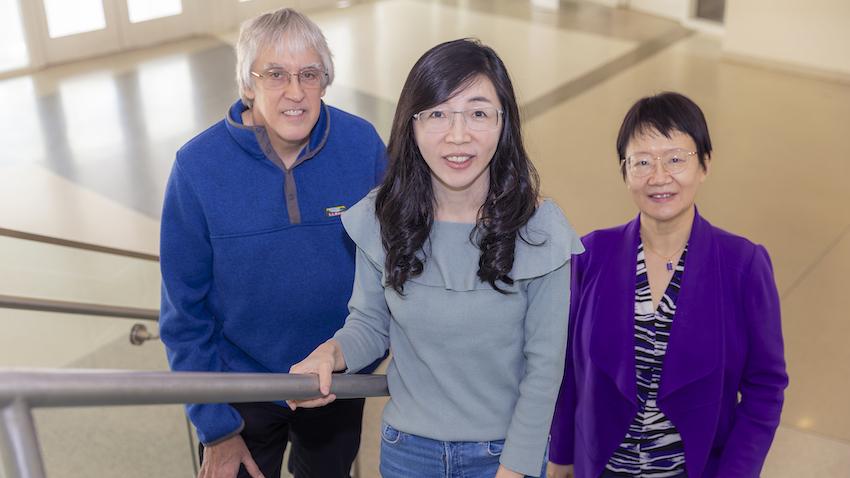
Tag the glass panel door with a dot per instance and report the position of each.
(79, 29)
(14, 54)
(86, 28)
(68, 18)
(144, 10)
(145, 22)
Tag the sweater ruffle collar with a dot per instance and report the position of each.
(452, 260)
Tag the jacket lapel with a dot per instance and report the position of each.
(694, 348)
(612, 342)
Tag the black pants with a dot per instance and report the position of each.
(324, 440)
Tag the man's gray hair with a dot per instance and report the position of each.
(285, 30)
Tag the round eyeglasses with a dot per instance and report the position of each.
(476, 119)
(641, 165)
(278, 78)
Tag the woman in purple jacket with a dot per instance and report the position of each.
(675, 361)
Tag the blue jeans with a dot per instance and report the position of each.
(404, 455)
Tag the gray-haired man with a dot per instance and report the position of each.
(256, 267)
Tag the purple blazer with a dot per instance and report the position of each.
(726, 339)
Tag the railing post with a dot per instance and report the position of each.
(18, 442)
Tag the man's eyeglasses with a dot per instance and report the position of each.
(277, 78)
(674, 161)
(476, 119)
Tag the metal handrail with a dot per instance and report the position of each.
(78, 308)
(85, 246)
(23, 389)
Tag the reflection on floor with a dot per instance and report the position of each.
(89, 146)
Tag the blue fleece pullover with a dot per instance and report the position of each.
(257, 269)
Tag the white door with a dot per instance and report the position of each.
(58, 31)
(69, 30)
(14, 55)
(145, 22)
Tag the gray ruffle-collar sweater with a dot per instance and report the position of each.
(468, 363)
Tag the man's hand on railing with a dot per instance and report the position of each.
(222, 460)
(323, 361)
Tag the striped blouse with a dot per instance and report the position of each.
(652, 447)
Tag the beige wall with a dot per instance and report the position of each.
(608, 3)
(674, 9)
(800, 33)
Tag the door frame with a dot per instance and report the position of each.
(199, 17)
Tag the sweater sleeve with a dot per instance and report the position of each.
(187, 327)
(365, 337)
(544, 348)
(764, 379)
(562, 435)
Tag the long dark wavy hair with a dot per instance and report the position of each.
(405, 199)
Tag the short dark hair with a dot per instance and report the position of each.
(665, 113)
(405, 200)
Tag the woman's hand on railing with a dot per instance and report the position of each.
(323, 361)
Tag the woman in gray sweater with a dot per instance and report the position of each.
(463, 271)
